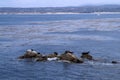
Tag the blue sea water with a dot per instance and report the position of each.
(48, 33)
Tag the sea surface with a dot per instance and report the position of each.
(47, 33)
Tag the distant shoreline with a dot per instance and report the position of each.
(98, 13)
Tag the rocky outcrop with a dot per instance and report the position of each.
(86, 55)
(69, 56)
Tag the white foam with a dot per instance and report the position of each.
(52, 59)
(99, 63)
(64, 61)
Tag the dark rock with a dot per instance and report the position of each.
(69, 56)
(114, 62)
(86, 55)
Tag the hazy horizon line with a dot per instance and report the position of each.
(65, 6)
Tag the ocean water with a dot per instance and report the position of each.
(48, 33)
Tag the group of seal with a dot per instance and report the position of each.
(67, 56)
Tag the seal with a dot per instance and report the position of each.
(69, 56)
(86, 55)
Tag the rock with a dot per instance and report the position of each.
(30, 54)
(114, 62)
(68, 55)
(86, 55)
(55, 54)
(44, 58)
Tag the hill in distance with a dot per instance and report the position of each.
(77, 9)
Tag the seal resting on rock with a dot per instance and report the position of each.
(86, 55)
(55, 54)
(30, 53)
(69, 56)
(49, 57)
(52, 57)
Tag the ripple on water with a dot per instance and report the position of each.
(59, 36)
